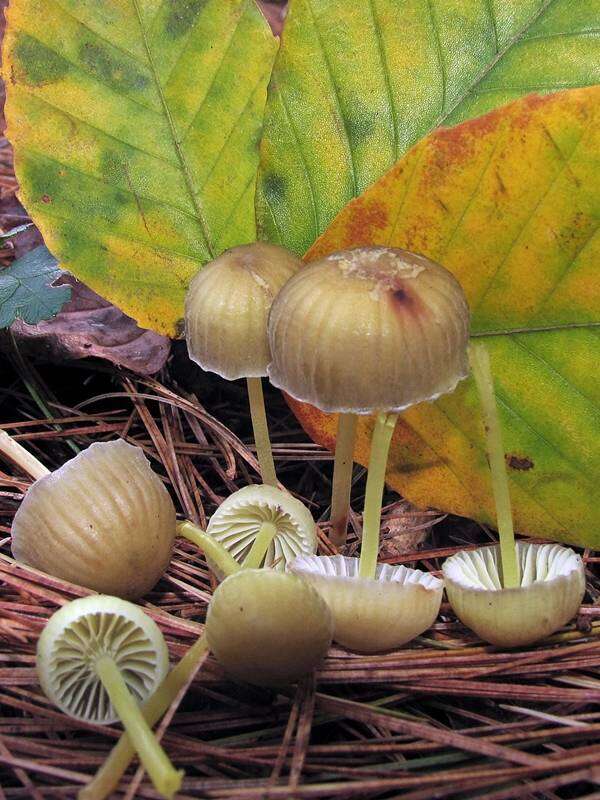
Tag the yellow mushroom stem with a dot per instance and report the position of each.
(261, 431)
(342, 478)
(209, 546)
(165, 777)
(110, 773)
(256, 554)
(220, 556)
(482, 372)
(380, 445)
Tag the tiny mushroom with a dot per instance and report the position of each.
(512, 594)
(260, 526)
(549, 592)
(268, 628)
(369, 330)
(226, 312)
(103, 520)
(98, 658)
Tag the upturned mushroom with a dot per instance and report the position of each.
(98, 658)
(512, 594)
(258, 525)
(363, 331)
(226, 311)
(103, 520)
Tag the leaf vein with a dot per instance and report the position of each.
(307, 172)
(386, 73)
(202, 225)
(544, 6)
(564, 165)
(440, 54)
(222, 61)
(337, 98)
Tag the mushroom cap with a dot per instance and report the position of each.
(83, 631)
(551, 591)
(369, 329)
(227, 308)
(103, 520)
(268, 628)
(236, 523)
(373, 614)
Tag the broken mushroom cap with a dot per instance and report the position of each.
(237, 521)
(368, 329)
(268, 628)
(82, 632)
(372, 614)
(227, 307)
(103, 520)
(552, 585)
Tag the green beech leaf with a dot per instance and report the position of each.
(358, 82)
(26, 290)
(135, 125)
(510, 204)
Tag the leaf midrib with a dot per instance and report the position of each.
(567, 326)
(185, 169)
(519, 36)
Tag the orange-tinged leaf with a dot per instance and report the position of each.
(510, 203)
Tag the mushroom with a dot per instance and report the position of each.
(103, 520)
(548, 594)
(363, 331)
(265, 627)
(226, 311)
(98, 658)
(373, 615)
(268, 628)
(512, 594)
(369, 330)
(258, 526)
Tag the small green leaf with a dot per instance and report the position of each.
(26, 290)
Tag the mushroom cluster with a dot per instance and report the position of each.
(370, 331)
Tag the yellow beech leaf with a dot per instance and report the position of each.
(135, 125)
(510, 203)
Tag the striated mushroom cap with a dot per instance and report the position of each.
(372, 614)
(236, 523)
(551, 591)
(83, 631)
(227, 307)
(103, 520)
(268, 628)
(369, 329)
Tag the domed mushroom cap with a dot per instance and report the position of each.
(103, 520)
(267, 628)
(237, 521)
(551, 591)
(369, 329)
(373, 614)
(83, 631)
(227, 308)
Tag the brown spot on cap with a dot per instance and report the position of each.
(519, 462)
(46, 198)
